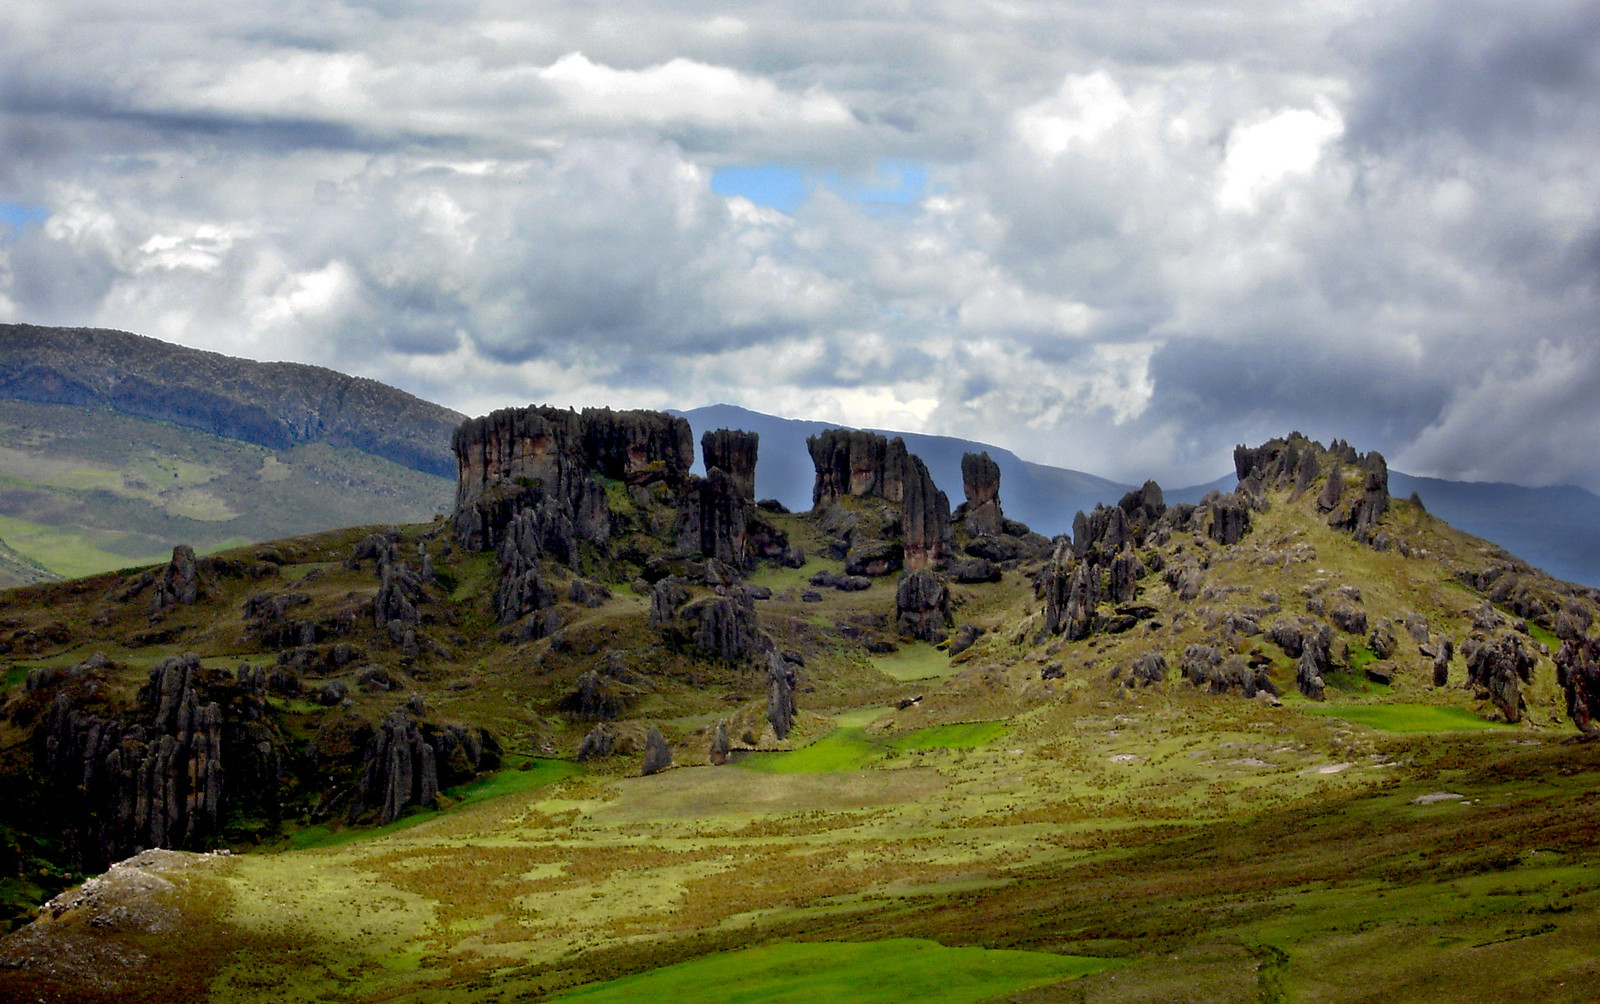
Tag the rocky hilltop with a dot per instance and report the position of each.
(594, 606)
(276, 405)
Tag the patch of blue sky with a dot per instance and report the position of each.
(895, 184)
(15, 215)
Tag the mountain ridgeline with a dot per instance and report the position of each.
(276, 405)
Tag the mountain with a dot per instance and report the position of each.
(114, 448)
(1556, 528)
(615, 728)
(275, 405)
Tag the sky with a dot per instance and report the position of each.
(1115, 237)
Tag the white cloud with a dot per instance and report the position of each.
(1266, 153)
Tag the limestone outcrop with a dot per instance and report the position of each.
(851, 463)
(732, 451)
(980, 482)
(922, 606)
(502, 456)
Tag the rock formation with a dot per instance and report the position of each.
(1578, 672)
(781, 679)
(1496, 667)
(866, 465)
(924, 518)
(734, 453)
(657, 754)
(853, 462)
(163, 776)
(714, 519)
(409, 760)
(501, 456)
(179, 582)
(922, 606)
(980, 482)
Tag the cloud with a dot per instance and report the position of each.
(1117, 243)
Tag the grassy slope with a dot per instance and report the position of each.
(85, 490)
(1218, 847)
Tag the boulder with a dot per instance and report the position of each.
(1496, 668)
(657, 754)
(1578, 673)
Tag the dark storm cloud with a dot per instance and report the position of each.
(1484, 71)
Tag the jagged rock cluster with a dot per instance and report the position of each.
(852, 463)
(922, 606)
(409, 760)
(165, 775)
(1295, 463)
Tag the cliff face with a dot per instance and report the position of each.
(276, 405)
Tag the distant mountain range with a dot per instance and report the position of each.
(114, 447)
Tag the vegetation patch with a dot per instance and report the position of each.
(915, 662)
(963, 735)
(1408, 717)
(896, 969)
(841, 749)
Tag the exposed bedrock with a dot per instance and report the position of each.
(732, 451)
(922, 606)
(781, 683)
(1496, 668)
(980, 482)
(501, 455)
(1072, 592)
(163, 775)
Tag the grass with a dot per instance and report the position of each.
(851, 748)
(1544, 637)
(13, 677)
(963, 735)
(915, 662)
(897, 969)
(68, 551)
(1408, 717)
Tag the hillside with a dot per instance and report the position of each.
(275, 405)
(614, 726)
(85, 490)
